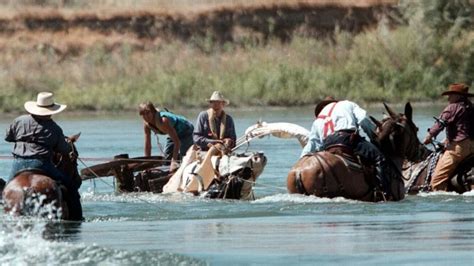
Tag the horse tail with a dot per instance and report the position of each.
(298, 180)
(299, 183)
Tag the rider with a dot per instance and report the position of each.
(337, 122)
(214, 125)
(177, 127)
(37, 137)
(455, 118)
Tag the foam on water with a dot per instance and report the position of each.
(27, 241)
(437, 194)
(136, 197)
(298, 198)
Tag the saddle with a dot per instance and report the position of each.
(352, 161)
(31, 170)
(346, 154)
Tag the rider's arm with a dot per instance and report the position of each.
(10, 135)
(315, 141)
(446, 117)
(147, 144)
(359, 114)
(363, 121)
(61, 145)
(230, 129)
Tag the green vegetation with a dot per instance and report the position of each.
(413, 62)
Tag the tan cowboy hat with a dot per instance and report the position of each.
(44, 105)
(458, 88)
(218, 97)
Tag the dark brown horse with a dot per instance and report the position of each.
(418, 174)
(327, 174)
(31, 192)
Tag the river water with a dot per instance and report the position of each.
(276, 228)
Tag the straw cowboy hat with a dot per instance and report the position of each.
(218, 97)
(44, 105)
(458, 88)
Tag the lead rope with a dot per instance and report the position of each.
(255, 183)
(160, 147)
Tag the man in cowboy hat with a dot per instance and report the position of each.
(457, 119)
(214, 125)
(36, 136)
(338, 122)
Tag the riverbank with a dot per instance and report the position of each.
(409, 61)
(376, 108)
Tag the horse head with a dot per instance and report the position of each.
(397, 135)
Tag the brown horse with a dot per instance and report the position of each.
(328, 174)
(31, 192)
(418, 174)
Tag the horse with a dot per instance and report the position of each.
(31, 192)
(334, 174)
(418, 174)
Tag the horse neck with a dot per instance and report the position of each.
(425, 153)
(68, 167)
(397, 161)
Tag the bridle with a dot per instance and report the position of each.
(402, 127)
(73, 154)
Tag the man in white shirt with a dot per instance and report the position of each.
(338, 122)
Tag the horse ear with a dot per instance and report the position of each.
(376, 122)
(75, 137)
(409, 111)
(390, 111)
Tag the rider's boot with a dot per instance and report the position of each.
(2, 186)
(383, 178)
(73, 201)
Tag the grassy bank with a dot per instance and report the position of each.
(412, 62)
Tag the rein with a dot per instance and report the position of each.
(71, 154)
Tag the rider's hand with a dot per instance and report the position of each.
(173, 166)
(428, 139)
(228, 142)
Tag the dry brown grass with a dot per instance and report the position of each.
(145, 25)
(186, 6)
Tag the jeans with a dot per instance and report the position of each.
(186, 140)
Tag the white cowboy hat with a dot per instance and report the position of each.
(218, 97)
(44, 105)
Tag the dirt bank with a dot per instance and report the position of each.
(256, 24)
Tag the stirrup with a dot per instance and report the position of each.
(376, 191)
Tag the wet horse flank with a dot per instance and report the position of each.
(328, 174)
(31, 192)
